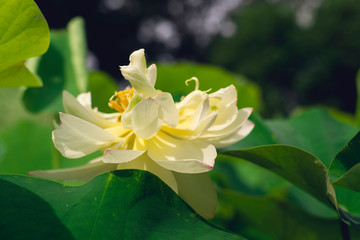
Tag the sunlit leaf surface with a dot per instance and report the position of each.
(24, 34)
(61, 68)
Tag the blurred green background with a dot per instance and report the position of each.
(300, 52)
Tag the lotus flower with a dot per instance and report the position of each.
(174, 141)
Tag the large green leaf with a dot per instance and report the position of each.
(345, 168)
(248, 178)
(345, 173)
(314, 131)
(339, 115)
(273, 218)
(307, 172)
(349, 204)
(18, 75)
(295, 165)
(27, 146)
(120, 205)
(61, 68)
(171, 78)
(25, 138)
(11, 107)
(24, 34)
(350, 179)
(317, 132)
(243, 176)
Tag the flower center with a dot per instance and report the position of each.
(120, 100)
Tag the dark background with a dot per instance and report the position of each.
(300, 52)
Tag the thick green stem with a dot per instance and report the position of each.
(344, 228)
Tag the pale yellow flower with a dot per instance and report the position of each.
(174, 141)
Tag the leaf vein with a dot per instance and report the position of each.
(100, 205)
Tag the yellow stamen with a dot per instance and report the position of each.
(120, 100)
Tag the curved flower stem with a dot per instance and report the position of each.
(196, 82)
(344, 228)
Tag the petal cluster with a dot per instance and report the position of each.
(149, 131)
(148, 109)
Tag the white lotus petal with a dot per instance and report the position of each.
(76, 138)
(241, 133)
(145, 163)
(226, 116)
(146, 118)
(82, 173)
(170, 112)
(137, 59)
(201, 113)
(126, 118)
(245, 113)
(205, 124)
(139, 144)
(199, 192)
(138, 80)
(241, 117)
(84, 99)
(189, 134)
(73, 107)
(137, 74)
(181, 155)
(118, 131)
(137, 163)
(120, 156)
(111, 117)
(151, 74)
(226, 95)
(224, 101)
(96, 160)
(193, 109)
